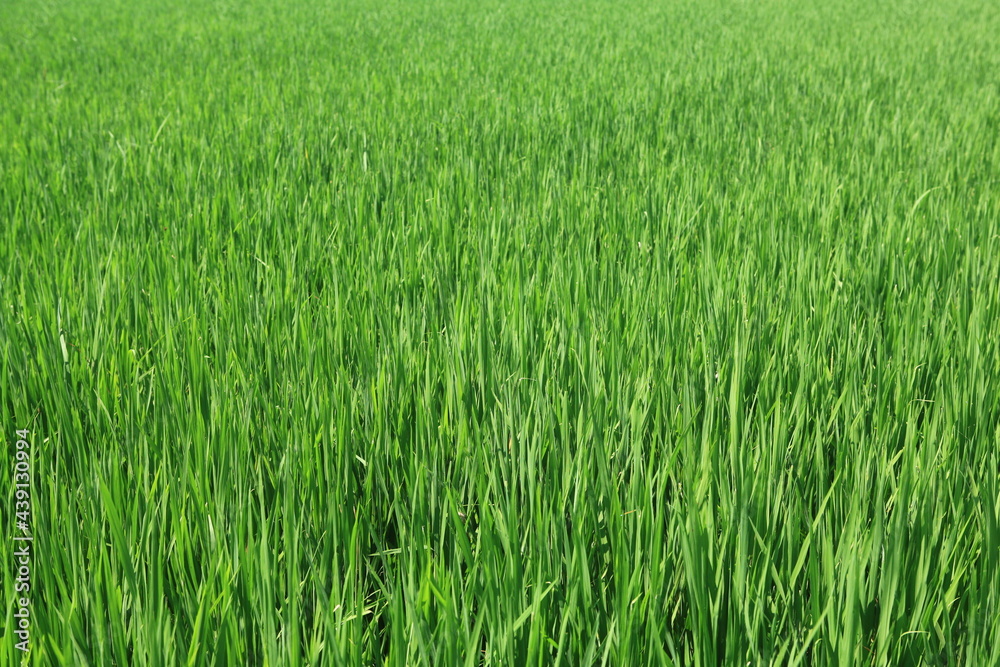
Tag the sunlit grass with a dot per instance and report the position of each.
(504, 333)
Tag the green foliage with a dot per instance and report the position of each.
(504, 333)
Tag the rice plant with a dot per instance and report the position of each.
(503, 332)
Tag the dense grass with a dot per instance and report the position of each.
(527, 332)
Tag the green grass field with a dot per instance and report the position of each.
(502, 332)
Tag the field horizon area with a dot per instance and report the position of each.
(500, 333)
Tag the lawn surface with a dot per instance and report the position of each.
(538, 332)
